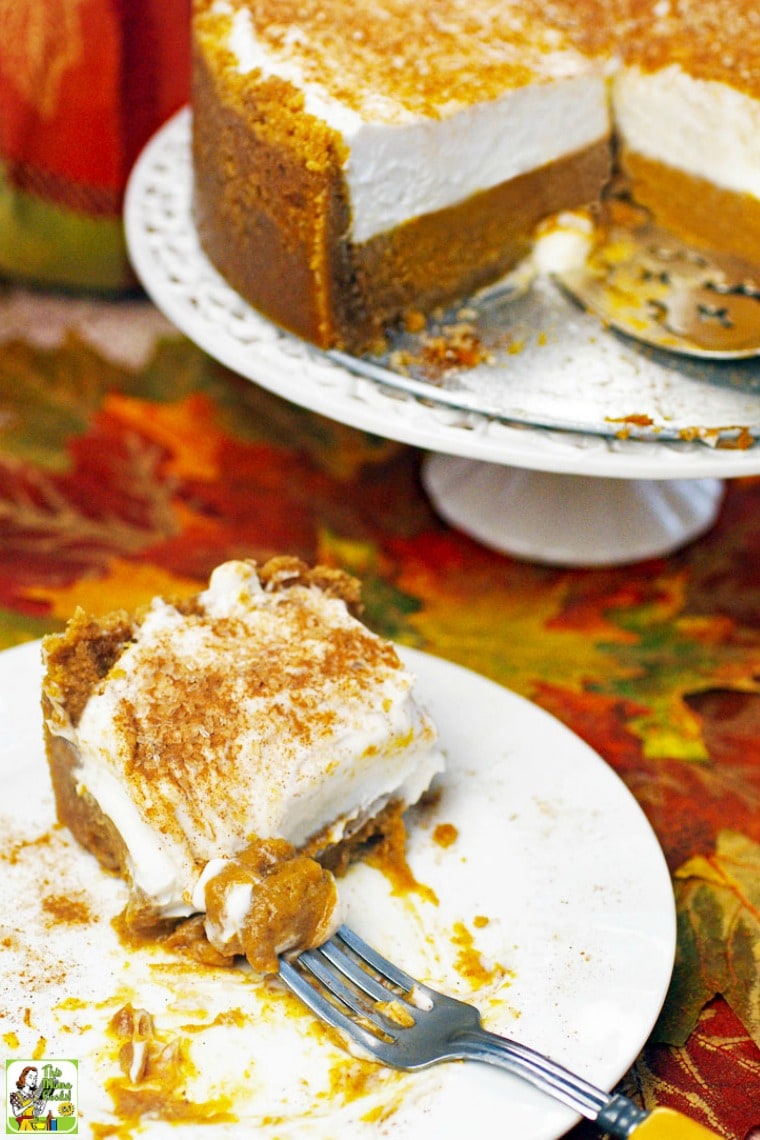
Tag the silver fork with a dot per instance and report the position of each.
(407, 1025)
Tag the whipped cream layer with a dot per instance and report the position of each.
(702, 127)
(260, 712)
(403, 163)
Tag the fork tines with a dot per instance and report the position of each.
(354, 989)
(403, 1023)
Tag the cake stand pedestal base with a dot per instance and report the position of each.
(570, 520)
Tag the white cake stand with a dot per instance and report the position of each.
(526, 483)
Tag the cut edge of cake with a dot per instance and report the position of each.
(275, 190)
(279, 171)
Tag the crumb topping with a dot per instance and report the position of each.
(718, 41)
(190, 716)
(437, 54)
(426, 58)
(259, 704)
(213, 698)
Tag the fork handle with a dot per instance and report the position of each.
(667, 1124)
(615, 1114)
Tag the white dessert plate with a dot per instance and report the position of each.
(546, 901)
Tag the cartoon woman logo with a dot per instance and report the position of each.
(42, 1097)
(27, 1103)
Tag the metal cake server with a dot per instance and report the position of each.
(641, 280)
(407, 1025)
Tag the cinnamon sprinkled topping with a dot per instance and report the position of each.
(718, 41)
(227, 705)
(184, 709)
(438, 52)
(421, 57)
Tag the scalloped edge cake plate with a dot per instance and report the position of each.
(555, 882)
(476, 421)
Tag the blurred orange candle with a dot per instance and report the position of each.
(83, 86)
